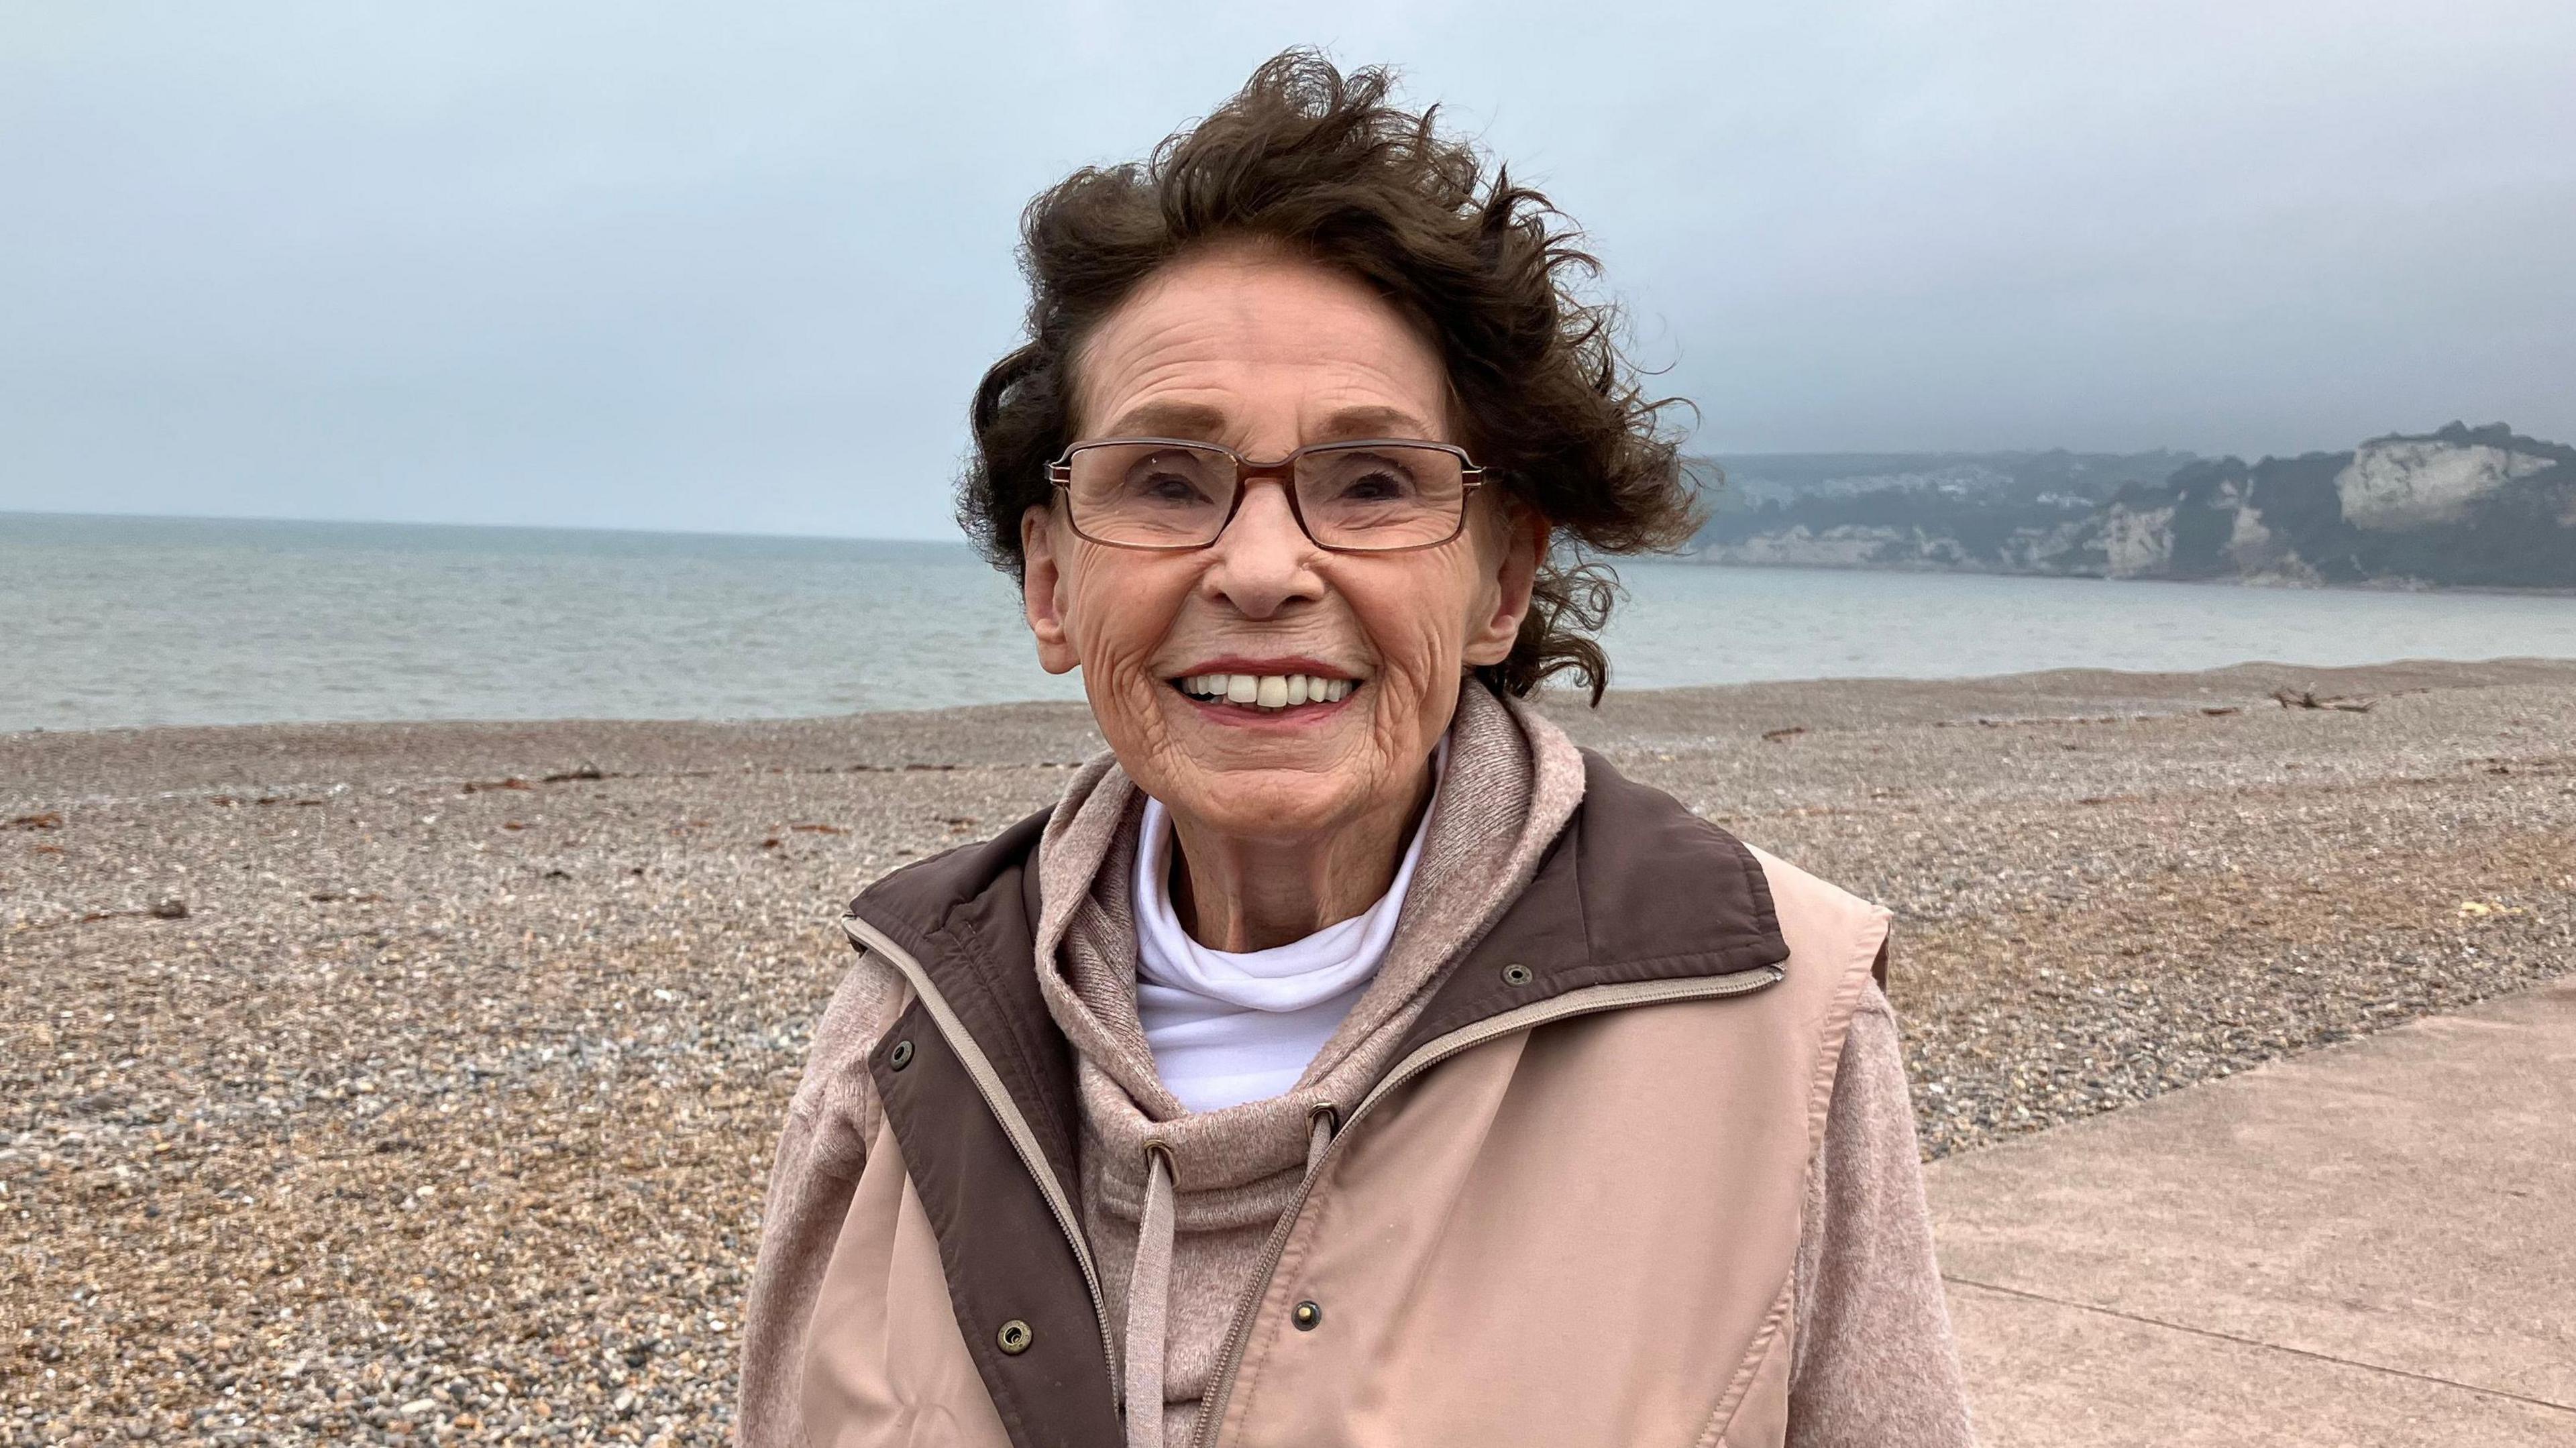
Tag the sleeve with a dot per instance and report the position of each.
(830, 1121)
(1874, 1365)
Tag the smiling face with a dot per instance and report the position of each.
(1264, 353)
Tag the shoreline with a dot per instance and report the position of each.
(450, 1096)
(1560, 701)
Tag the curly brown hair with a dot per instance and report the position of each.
(1329, 166)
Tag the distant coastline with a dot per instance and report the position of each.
(2376, 586)
(2461, 507)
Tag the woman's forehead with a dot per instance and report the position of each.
(1217, 345)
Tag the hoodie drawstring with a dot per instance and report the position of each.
(1319, 1135)
(1149, 1287)
(1149, 1304)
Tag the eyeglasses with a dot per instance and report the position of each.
(1378, 496)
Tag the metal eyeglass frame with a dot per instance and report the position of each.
(1471, 477)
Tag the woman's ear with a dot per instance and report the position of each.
(1042, 589)
(1512, 571)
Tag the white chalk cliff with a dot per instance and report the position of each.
(2409, 482)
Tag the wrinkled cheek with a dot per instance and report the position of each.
(1118, 626)
(1123, 696)
(1404, 691)
(1427, 663)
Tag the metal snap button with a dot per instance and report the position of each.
(1015, 1337)
(900, 1056)
(1307, 1315)
(1518, 974)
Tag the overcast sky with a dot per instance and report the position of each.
(736, 267)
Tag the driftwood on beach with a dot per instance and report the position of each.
(2309, 699)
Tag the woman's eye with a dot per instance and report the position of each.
(1374, 484)
(1171, 487)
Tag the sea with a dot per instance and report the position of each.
(117, 622)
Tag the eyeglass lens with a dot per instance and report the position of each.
(1172, 495)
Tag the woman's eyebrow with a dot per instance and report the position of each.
(1373, 421)
(1196, 421)
(1189, 420)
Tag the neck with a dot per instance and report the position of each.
(1238, 894)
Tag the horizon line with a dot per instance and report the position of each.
(958, 540)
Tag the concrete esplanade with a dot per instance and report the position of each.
(2374, 1244)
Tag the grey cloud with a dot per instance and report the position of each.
(738, 267)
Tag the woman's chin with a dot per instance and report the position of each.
(1261, 803)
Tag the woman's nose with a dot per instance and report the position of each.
(1264, 561)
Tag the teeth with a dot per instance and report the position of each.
(1265, 691)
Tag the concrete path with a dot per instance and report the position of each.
(2369, 1245)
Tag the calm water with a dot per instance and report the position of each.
(122, 621)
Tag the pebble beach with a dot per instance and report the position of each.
(418, 1082)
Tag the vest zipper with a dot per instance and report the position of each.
(1588, 1001)
(1015, 1125)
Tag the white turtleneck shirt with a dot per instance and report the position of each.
(1228, 1027)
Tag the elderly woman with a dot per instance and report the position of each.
(1347, 1058)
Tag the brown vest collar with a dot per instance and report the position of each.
(1636, 888)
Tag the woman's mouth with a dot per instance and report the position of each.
(1268, 693)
